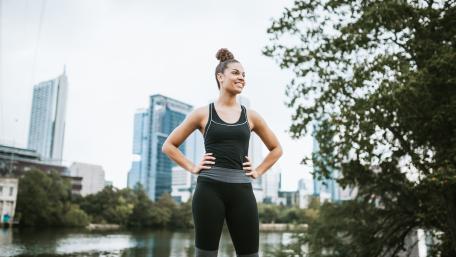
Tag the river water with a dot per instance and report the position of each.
(138, 243)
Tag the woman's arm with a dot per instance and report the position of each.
(269, 139)
(177, 137)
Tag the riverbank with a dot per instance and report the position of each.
(103, 227)
(282, 227)
(266, 227)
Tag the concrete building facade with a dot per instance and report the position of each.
(93, 177)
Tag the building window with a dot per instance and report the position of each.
(11, 191)
(1, 190)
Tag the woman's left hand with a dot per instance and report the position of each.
(247, 166)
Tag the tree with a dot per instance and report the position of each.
(268, 213)
(141, 215)
(377, 80)
(45, 200)
(108, 206)
(182, 217)
(75, 217)
(163, 210)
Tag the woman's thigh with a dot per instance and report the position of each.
(208, 216)
(242, 220)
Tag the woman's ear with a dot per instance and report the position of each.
(219, 76)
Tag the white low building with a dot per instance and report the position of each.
(183, 184)
(8, 197)
(271, 185)
(93, 177)
(304, 193)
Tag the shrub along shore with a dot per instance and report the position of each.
(45, 200)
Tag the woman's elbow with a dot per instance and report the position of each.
(279, 151)
(165, 148)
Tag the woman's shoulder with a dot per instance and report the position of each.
(252, 113)
(200, 112)
(254, 118)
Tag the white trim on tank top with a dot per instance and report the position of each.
(210, 121)
(226, 123)
(229, 125)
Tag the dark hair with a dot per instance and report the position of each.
(225, 57)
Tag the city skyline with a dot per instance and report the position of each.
(117, 55)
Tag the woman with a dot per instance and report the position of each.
(225, 173)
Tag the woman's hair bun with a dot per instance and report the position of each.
(224, 54)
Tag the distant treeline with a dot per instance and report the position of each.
(46, 200)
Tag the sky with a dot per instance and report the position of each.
(118, 53)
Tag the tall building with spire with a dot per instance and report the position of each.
(47, 119)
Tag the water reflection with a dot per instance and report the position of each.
(159, 243)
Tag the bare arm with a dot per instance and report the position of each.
(269, 139)
(177, 137)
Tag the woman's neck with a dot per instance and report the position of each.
(227, 100)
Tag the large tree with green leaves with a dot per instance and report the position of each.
(377, 79)
(45, 200)
(110, 205)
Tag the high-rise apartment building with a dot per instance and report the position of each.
(47, 119)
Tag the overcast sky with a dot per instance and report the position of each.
(118, 53)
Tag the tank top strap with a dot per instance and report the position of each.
(210, 111)
(244, 111)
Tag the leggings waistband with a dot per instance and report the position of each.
(226, 175)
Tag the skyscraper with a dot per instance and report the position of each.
(140, 139)
(183, 182)
(47, 119)
(326, 188)
(271, 185)
(152, 168)
(256, 155)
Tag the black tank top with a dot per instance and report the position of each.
(228, 142)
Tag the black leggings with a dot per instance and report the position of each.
(212, 202)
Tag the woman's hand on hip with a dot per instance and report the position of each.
(247, 166)
(203, 165)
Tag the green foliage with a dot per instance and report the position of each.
(75, 217)
(141, 214)
(40, 206)
(163, 213)
(107, 206)
(314, 203)
(160, 216)
(45, 200)
(377, 81)
(269, 213)
(355, 223)
(182, 217)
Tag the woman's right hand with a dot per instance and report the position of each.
(207, 159)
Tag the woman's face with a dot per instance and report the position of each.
(233, 79)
